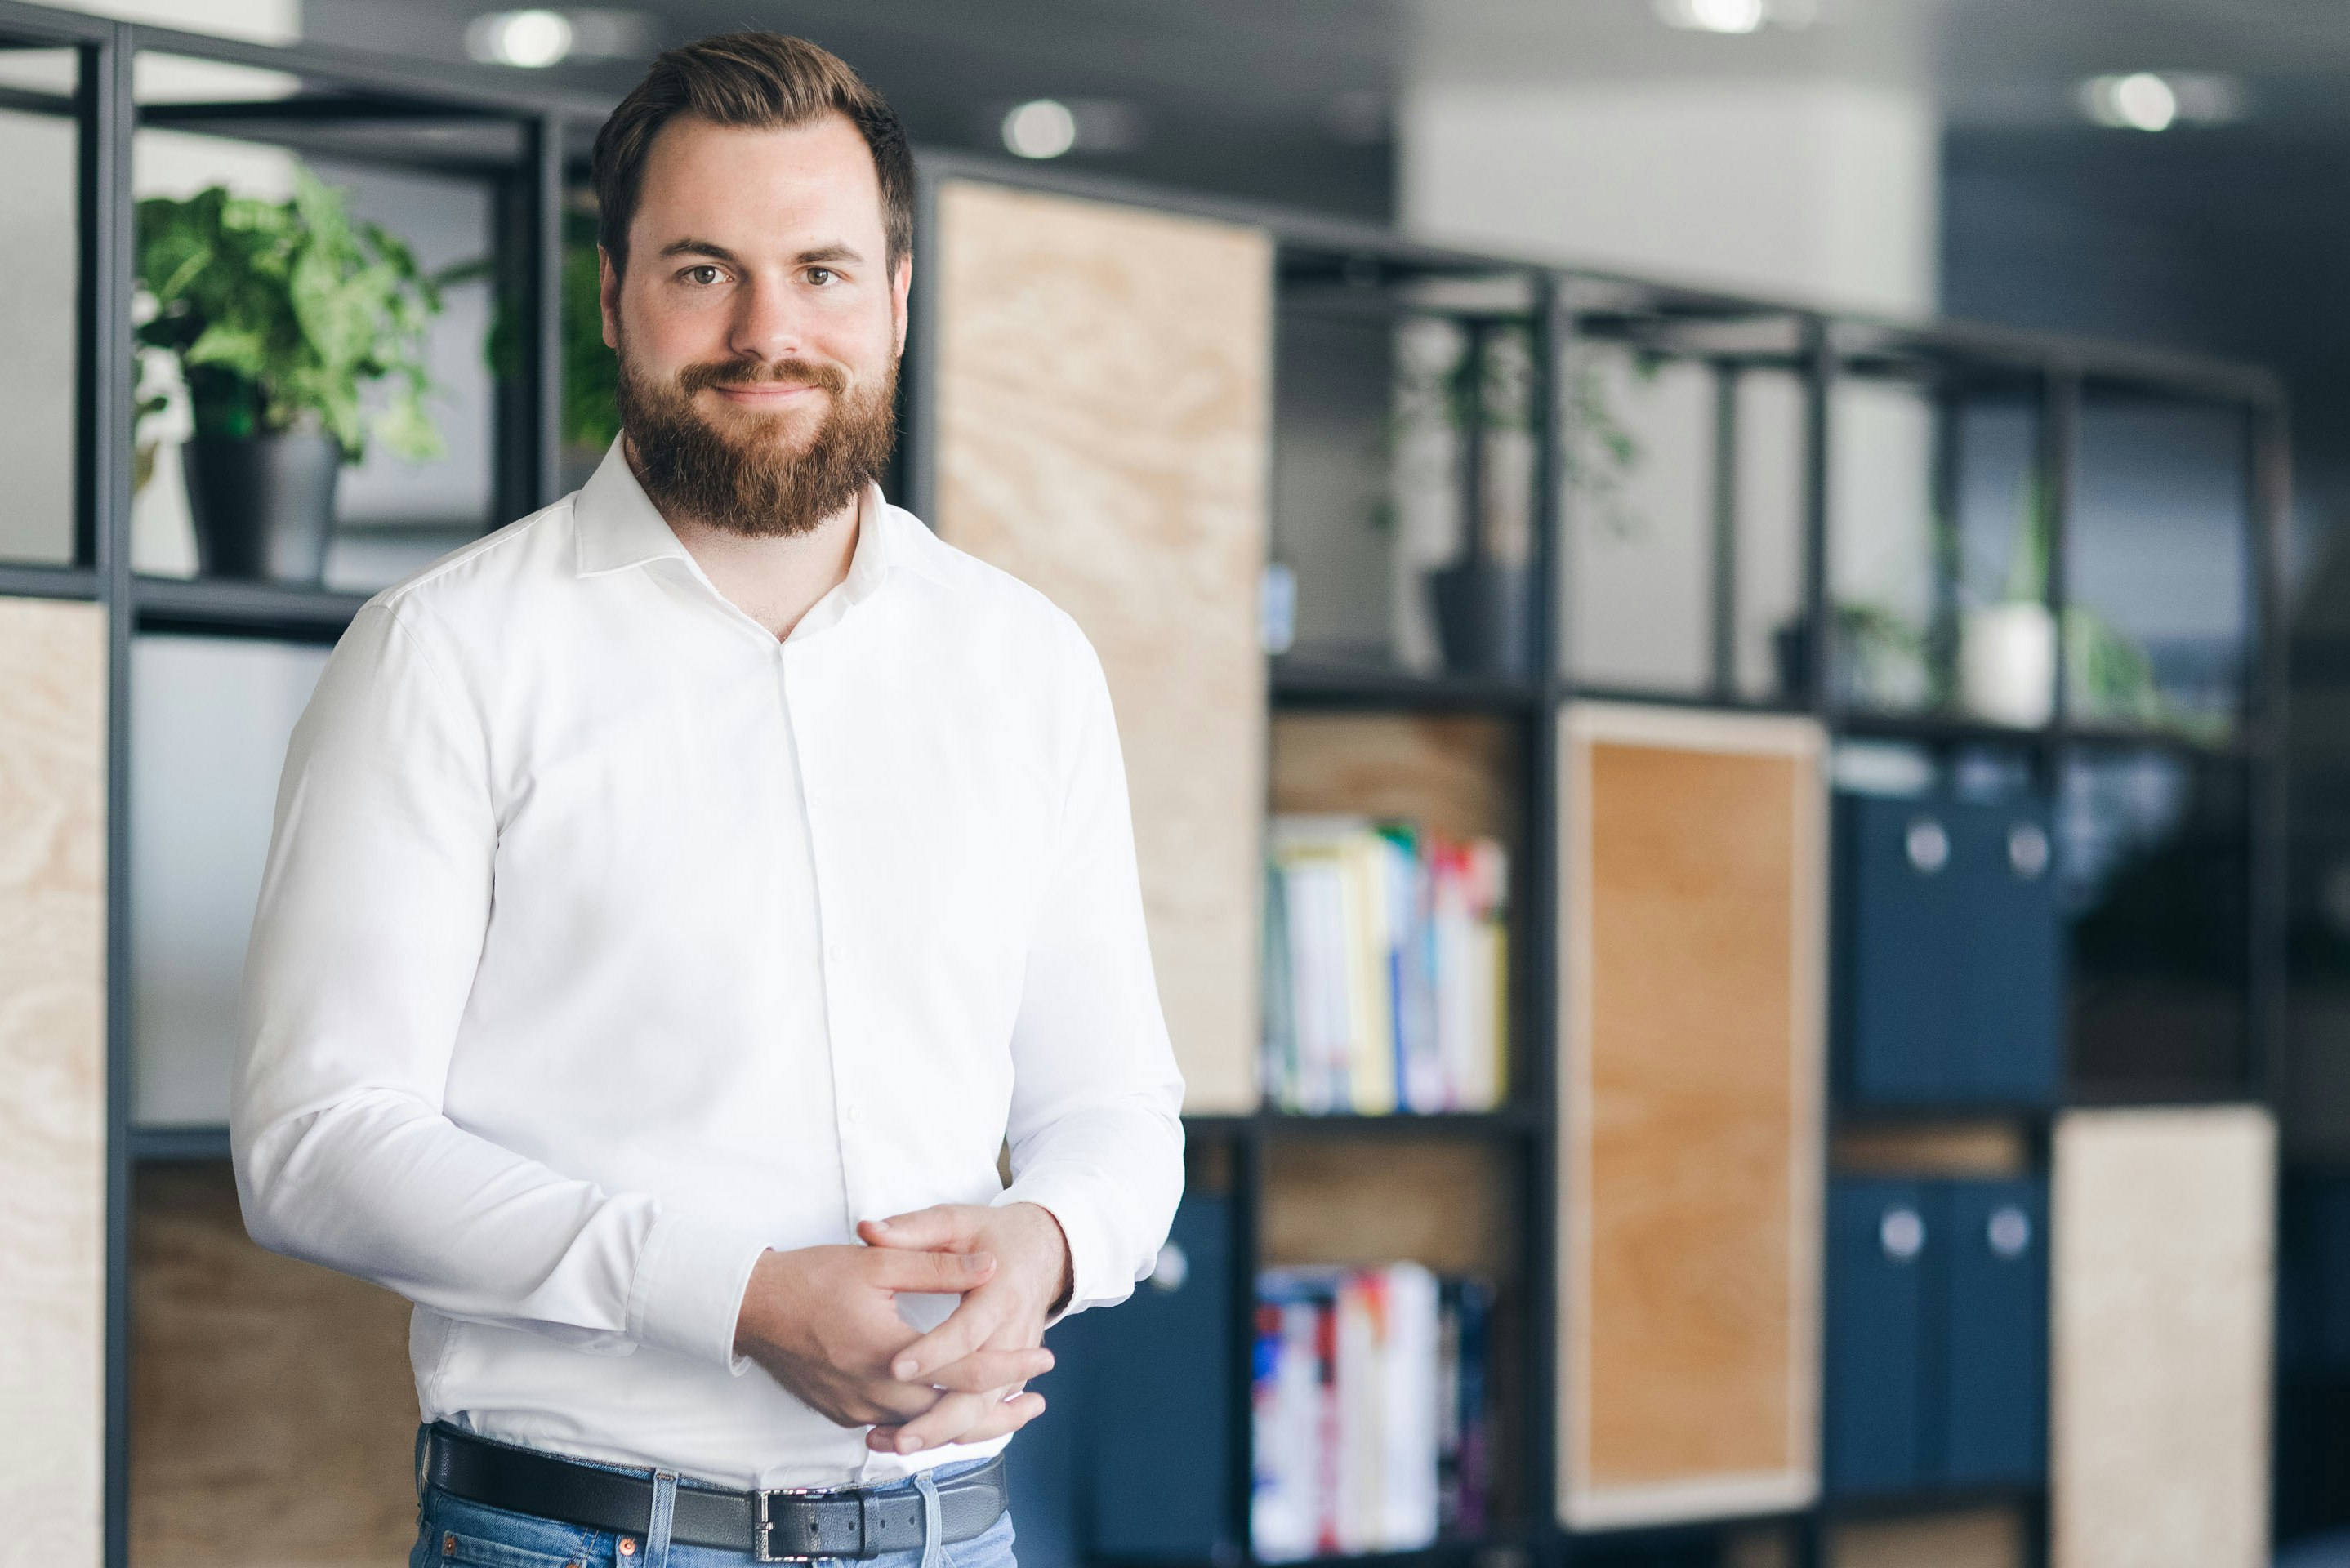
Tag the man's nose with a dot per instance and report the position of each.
(769, 322)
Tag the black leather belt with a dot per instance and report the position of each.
(783, 1524)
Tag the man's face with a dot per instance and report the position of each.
(758, 323)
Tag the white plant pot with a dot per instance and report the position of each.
(2007, 663)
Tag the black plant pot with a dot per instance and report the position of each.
(262, 507)
(1484, 618)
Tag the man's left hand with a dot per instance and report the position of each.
(1007, 1312)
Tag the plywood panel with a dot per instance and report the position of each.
(2163, 1256)
(1102, 403)
(273, 1411)
(1980, 1538)
(1694, 847)
(1441, 1203)
(53, 1067)
(1460, 775)
(1933, 1148)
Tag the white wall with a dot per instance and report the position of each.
(1812, 190)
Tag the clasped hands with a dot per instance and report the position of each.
(823, 1322)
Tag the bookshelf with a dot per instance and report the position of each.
(1730, 538)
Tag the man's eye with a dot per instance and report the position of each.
(820, 275)
(702, 274)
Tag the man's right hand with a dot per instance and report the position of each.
(823, 1322)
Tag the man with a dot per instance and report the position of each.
(679, 896)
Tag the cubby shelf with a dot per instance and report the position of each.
(178, 1145)
(220, 606)
(1310, 683)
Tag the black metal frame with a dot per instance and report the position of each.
(1827, 346)
(529, 215)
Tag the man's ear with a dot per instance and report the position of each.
(902, 283)
(607, 295)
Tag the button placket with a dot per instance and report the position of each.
(805, 717)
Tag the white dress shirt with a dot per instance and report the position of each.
(607, 940)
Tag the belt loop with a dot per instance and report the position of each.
(664, 1511)
(934, 1554)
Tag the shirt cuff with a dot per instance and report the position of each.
(688, 1293)
(1097, 1276)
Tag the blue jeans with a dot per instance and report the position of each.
(452, 1533)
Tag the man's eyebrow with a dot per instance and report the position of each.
(814, 255)
(691, 246)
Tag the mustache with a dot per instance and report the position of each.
(748, 372)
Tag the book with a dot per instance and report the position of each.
(1368, 1411)
(1385, 968)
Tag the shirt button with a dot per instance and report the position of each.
(833, 952)
(851, 1115)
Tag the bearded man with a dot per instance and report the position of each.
(678, 898)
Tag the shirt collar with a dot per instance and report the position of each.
(618, 527)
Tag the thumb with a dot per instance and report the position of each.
(942, 1227)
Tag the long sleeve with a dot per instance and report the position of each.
(371, 921)
(1095, 1132)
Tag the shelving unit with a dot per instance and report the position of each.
(1735, 366)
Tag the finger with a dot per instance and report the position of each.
(943, 1422)
(934, 1273)
(985, 1370)
(968, 1328)
(942, 1227)
(1005, 1416)
(1011, 1413)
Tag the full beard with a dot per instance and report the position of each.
(751, 479)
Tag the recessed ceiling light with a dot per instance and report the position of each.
(1736, 16)
(1714, 15)
(2156, 101)
(531, 39)
(1041, 127)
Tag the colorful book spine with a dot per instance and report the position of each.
(1385, 968)
(1368, 1411)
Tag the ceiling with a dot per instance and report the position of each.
(1286, 99)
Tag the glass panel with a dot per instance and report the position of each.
(1881, 549)
(2152, 850)
(2158, 566)
(40, 264)
(1403, 470)
(1640, 487)
(245, 445)
(210, 718)
(1770, 538)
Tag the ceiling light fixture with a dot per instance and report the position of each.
(2158, 101)
(1041, 127)
(531, 39)
(1736, 17)
(2139, 101)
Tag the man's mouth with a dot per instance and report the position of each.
(763, 394)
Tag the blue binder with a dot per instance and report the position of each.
(1159, 1403)
(1881, 1241)
(1995, 1367)
(1132, 1456)
(1949, 960)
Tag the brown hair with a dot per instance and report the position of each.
(766, 80)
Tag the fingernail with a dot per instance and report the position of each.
(906, 1443)
(878, 1224)
(982, 1261)
(906, 1368)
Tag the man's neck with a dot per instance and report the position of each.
(774, 578)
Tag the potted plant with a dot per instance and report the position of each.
(278, 312)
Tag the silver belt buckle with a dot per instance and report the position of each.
(764, 1525)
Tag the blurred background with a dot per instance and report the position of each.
(1621, 418)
